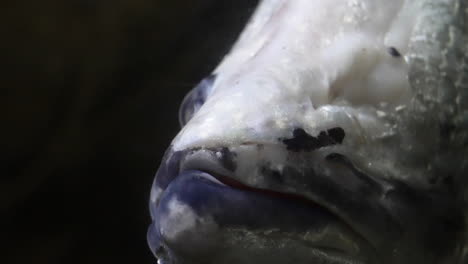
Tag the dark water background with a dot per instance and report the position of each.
(89, 98)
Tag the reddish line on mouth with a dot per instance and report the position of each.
(287, 196)
(228, 181)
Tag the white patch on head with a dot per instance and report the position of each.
(182, 224)
(155, 194)
(180, 218)
(285, 68)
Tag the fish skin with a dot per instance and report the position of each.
(404, 157)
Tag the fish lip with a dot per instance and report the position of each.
(346, 252)
(227, 177)
(233, 183)
(175, 161)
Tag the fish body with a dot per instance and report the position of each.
(333, 132)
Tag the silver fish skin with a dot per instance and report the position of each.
(333, 132)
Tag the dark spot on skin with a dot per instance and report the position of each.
(336, 157)
(301, 141)
(337, 134)
(324, 139)
(394, 52)
(272, 174)
(228, 159)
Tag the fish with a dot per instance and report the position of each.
(332, 132)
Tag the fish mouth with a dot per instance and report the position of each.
(229, 181)
(240, 211)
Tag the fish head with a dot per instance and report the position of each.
(333, 132)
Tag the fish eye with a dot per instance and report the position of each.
(195, 99)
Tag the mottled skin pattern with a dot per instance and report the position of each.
(320, 171)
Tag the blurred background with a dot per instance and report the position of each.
(89, 99)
